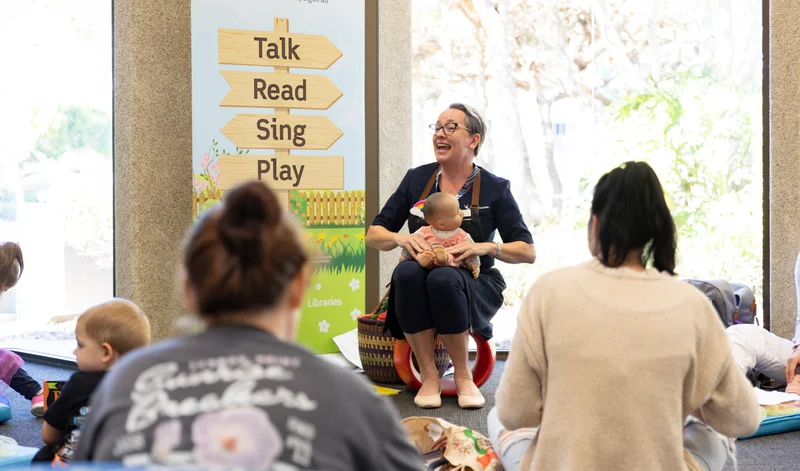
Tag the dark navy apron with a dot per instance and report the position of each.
(484, 294)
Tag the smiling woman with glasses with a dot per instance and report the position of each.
(447, 300)
(449, 128)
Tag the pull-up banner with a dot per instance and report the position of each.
(278, 97)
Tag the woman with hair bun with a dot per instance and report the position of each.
(615, 364)
(242, 394)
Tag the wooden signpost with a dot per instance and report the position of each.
(294, 111)
(276, 131)
(296, 172)
(274, 90)
(280, 91)
(276, 48)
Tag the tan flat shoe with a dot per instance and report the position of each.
(471, 402)
(429, 402)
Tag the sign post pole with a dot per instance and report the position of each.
(281, 25)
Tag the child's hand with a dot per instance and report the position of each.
(476, 270)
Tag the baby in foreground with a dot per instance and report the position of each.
(103, 333)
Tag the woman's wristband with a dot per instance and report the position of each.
(499, 249)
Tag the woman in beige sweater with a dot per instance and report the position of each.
(614, 362)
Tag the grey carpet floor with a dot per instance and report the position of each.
(24, 427)
(773, 453)
(770, 453)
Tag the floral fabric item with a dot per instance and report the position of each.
(463, 448)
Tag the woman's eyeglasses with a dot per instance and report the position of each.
(449, 128)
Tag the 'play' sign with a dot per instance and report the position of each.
(288, 173)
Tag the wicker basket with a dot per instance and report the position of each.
(376, 350)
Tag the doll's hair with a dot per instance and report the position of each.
(11, 265)
(435, 202)
(242, 254)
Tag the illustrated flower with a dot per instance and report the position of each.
(199, 184)
(206, 160)
(335, 239)
(321, 236)
(319, 242)
(213, 168)
(361, 236)
(345, 236)
(328, 244)
(166, 437)
(236, 438)
(319, 286)
(354, 284)
(323, 326)
(356, 312)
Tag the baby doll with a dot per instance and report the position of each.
(442, 213)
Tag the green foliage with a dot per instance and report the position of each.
(697, 133)
(76, 128)
(344, 247)
(384, 305)
(299, 206)
(362, 215)
(697, 130)
(8, 205)
(217, 151)
(349, 259)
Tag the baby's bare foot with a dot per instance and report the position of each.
(441, 254)
(425, 259)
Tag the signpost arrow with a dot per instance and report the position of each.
(279, 90)
(274, 131)
(275, 49)
(283, 173)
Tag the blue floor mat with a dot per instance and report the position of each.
(5, 409)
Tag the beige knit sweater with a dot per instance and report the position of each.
(609, 363)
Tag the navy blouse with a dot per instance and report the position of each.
(498, 208)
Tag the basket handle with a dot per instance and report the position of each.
(375, 311)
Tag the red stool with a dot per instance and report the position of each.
(481, 370)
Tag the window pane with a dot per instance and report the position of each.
(572, 88)
(56, 177)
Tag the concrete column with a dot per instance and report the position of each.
(784, 204)
(394, 64)
(152, 152)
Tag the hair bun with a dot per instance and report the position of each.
(249, 212)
